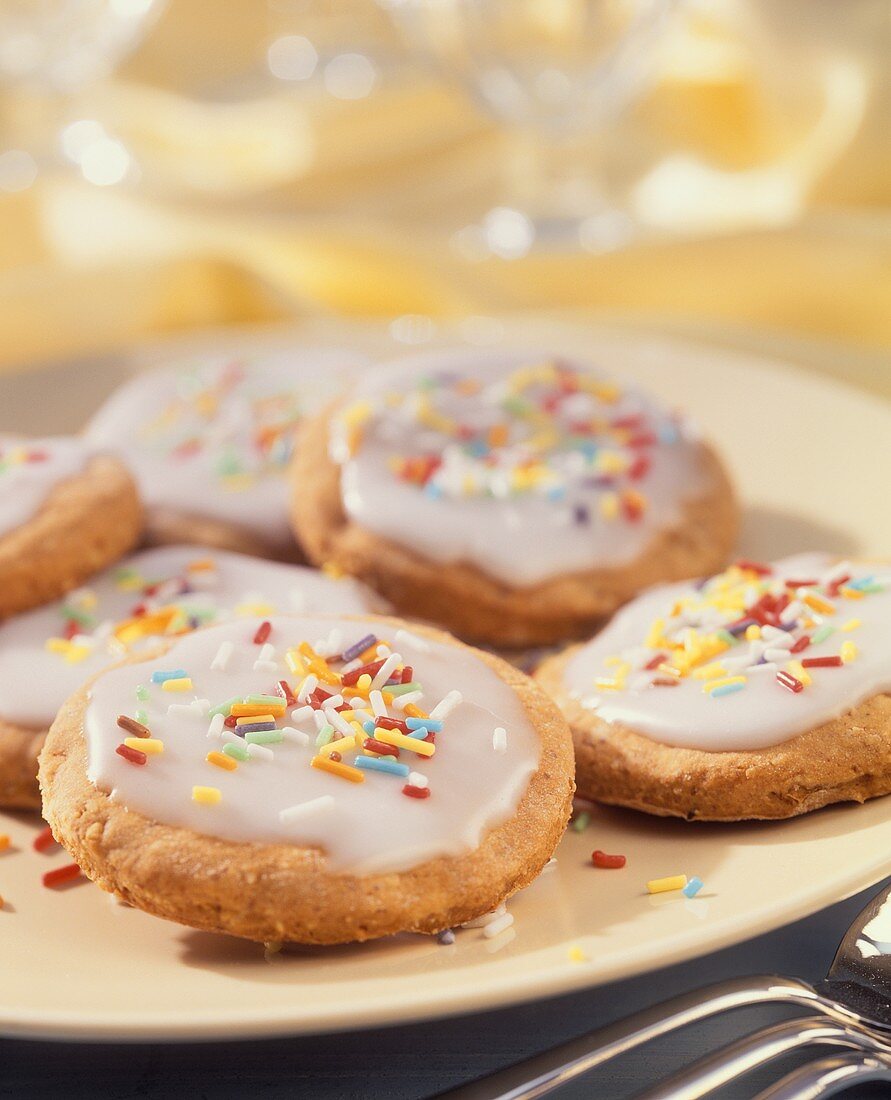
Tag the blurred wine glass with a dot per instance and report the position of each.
(50, 50)
(555, 71)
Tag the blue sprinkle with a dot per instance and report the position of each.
(557, 493)
(427, 723)
(381, 764)
(726, 689)
(693, 887)
(368, 727)
(668, 433)
(860, 583)
(176, 674)
(431, 489)
(420, 733)
(446, 937)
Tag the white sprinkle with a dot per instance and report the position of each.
(835, 573)
(378, 709)
(405, 637)
(260, 752)
(496, 927)
(417, 780)
(224, 653)
(300, 714)
(400, 702)
(383, 651)
(768, 666)
(776, 654)
(265, 666)
(499, 739)
(201, 706)
(84, 639)
(352, 666)
(776, 637)
(339, 723)
(334, 701)
(298, 737)
(308, 686)
(187, 709)
(266, 659)
(216, 726)
(446, 705)
(306, 809)
(320, 719)
(383, 673)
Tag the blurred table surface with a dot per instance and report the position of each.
(418, 1060)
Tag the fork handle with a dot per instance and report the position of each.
(541, 1074)
(756, 1050)
(828, 1076)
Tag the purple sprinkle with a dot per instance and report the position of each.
(581, 514)
(353, 652)
(253, 727)
(446, 938)
(740, 628)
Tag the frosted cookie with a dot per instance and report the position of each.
(312, 779)
(209, 442)
(514, 499)
(759, 693)
(48, 653)
(64, 514)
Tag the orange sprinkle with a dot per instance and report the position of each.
(345, 771)
(412, 711)
(221, 761)
(4, 842)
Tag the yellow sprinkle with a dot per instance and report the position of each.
(656, 635)
(201, 565)
(207, 796)
(576, 954)
(852, 624)
(799, 672)
(364, 682)
(410, 744)
(345, 771)
(662, 885)
(848, 652)
(220, 760)
(604, 683)
(345, 744)
(150, 745)
(609, 506)
(712, 684)
(261, 610)
(821, 606)
(295, 662)
(184, 683)
(257, 712)
(753, 632)
(332, 570)
(709, 672)
(852, 593)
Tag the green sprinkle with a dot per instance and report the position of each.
(81, 617)
(271, 700)
(142, 692)
(727, 637)
(325, 735)
(141, 716)
(265, 737)
(581, 822)
(224, 708)
(822, 634)
(236, 750)
(402, 689)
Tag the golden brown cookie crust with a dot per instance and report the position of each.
(845, 760)
(168, 527)
(86, 523)
(478, 607)
(270, 892)
(19, 748)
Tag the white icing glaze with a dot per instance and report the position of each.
(190, 432)
(522, 535)
(366, 827)
(29, 470)
(763, 712)
(34, 682)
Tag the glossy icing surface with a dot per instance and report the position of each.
(29, 470)
(747, 660)
(213, 438)
(46, 654)
(523, 466)
(363, 820)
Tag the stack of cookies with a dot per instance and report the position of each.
(319, 755)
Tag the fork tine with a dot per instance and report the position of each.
(751, 1051)
(828, 1076)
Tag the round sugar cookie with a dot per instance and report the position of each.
(320, 780)
(759, 693)
(209, 440)
(47, 654)
(515, 499)
(65, 513)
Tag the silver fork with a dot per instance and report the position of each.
(850, 1008)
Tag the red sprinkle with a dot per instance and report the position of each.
(407, 674)
(44, 839)
(380, 747)
(135, 756)
(822, 662)
(632, 509)
(61, 874)
(416, 792)
(834, 586)
(350, 678)
(802, 643)
(231, 721)
(335, 756)
(789, 681)
(639, 467)
(71, 628)
(802, 584)
(263, 632)
(285, 692)
(665, 682)
(608, 862)
(754, 567)
(393, 724)
(654, 662)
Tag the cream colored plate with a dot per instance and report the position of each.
(809, 457)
